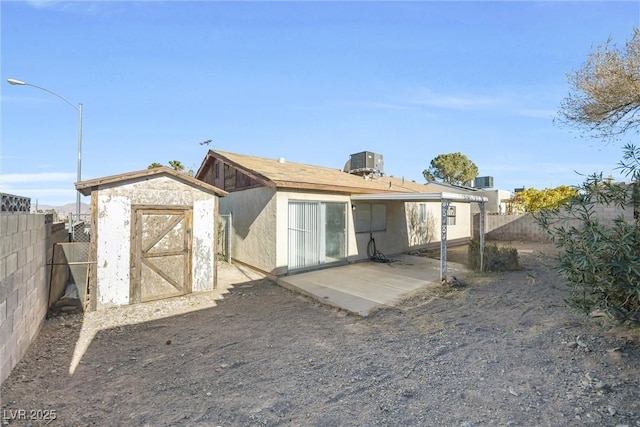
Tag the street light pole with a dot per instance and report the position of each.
(77, 108)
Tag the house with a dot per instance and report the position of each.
(152, 236)
(289, 217)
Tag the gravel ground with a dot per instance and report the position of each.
(504, 350)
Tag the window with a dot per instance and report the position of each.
(451, 215)
(370, 217)
(216, 169)
(422, 212)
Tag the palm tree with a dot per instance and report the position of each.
(176, 165)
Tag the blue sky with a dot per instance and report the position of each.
(309, 81)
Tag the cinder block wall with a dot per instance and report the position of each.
(25, 241)
(524, 227)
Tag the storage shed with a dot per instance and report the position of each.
(153, 236)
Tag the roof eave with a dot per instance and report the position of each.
(86, 187)
(420, 197)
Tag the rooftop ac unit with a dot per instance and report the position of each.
(483, 182)
(366, 161)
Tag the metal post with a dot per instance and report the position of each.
(443, 238)
(79, 172)
(79, 108)
(482, 225)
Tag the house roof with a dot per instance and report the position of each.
(286, 174)
(86, 187)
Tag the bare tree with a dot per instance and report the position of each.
(604, 96)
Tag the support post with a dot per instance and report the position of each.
(443, 238)
(482, 225)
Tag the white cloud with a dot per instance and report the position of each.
(20, 178)
(537, 113)
(457, 101)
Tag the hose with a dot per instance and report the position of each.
(373, 253)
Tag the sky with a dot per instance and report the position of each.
(312, 82)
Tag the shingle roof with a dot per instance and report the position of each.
(286, 174)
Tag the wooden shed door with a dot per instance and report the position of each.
(161, 253)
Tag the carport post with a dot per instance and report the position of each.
(444, 204)
(482, 220)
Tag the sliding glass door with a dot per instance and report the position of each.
(317, 233)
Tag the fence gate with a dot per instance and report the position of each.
(161, 253)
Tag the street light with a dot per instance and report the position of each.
(79, 109)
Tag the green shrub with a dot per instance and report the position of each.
(600, 262)
(495, 258)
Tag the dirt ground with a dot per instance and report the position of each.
(504, 350)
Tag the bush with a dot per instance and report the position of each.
(600, 261)
(495, 258)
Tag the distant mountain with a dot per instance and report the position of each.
(65, 210)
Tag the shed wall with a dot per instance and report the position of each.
(113, 248)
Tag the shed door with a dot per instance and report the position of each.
(161, 253)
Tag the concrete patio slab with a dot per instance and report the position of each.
(365, 286)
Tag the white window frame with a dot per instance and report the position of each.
(451, 215)
(422, 212)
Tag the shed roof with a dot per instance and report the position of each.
(86, 187)
(286, 174)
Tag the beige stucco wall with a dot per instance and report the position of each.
(113, 248)
(392, 240)
(254, 222)
(260, 218)
(405, 232)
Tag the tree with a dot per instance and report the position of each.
(452, 168)
(604, 96)
(533, 200)
(600, 259)
(175, 165)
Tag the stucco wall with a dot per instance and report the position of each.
(113, 235)
(393, 239)
(254, 213)
(406, 232)
(260, 226)
(113, 248)
(204, 253)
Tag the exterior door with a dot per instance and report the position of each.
(317, 233)
(161, 253)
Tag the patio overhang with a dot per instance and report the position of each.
(445, 201)
(415, 197)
